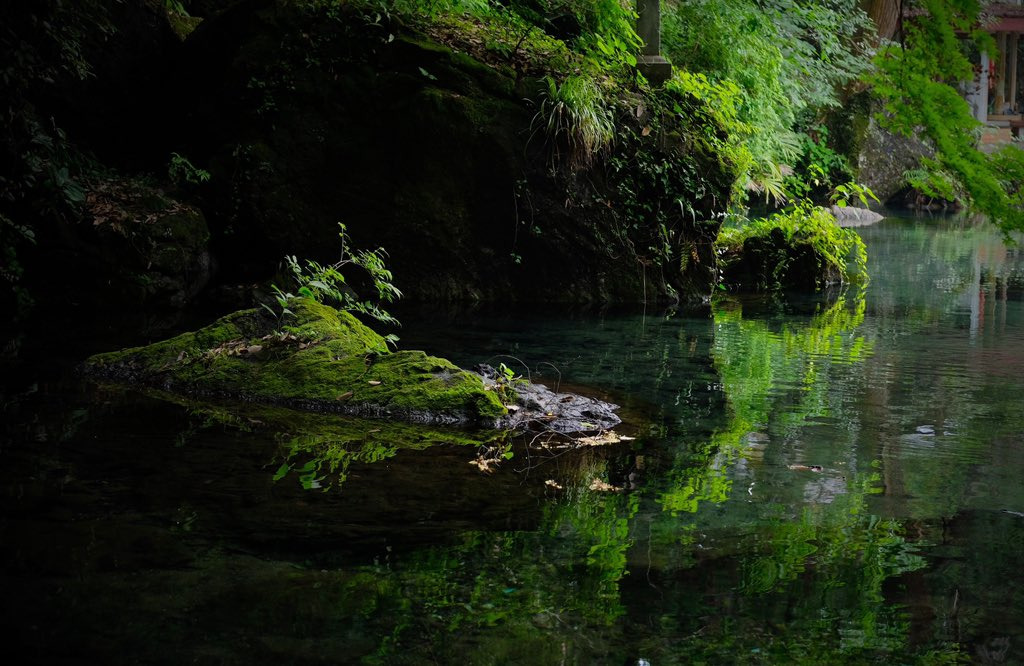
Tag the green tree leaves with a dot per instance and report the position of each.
(916, 80)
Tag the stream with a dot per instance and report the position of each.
(828, 480)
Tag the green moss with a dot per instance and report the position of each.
(800, 248)
(323, 359)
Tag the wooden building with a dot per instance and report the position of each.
(996, 95)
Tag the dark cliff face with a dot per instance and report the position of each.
(310, 118)
(307, 117)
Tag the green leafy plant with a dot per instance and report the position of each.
(789, 60)
(182, 171)
(842, 194)
(818, 168)
(609, 34)
(505, 381)
(327, 283)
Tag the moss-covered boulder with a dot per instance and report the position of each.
(317, 359)
(802, 249)
(772, 261)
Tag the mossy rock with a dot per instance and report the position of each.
(773, 261)
(317, 359)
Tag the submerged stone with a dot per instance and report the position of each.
(536, 407)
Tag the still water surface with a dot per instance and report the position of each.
(823, 482)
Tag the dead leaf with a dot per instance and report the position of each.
(254, 349)
(551, 483)
(606, 437)
(485, 465)
(344, 396)
(645, 131)
(373, 382)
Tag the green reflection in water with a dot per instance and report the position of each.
(566, 592)
(321, 454)
(138, 531)
(318, 450)
(825, 550)
(761, 367)
(512, 597)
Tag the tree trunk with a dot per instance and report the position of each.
(886, 16)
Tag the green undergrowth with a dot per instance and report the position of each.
(663, 162)
(802, 246)
(574, 60)
(316, 358)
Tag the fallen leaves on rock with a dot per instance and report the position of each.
(120, 203)
(241, 347)
(600, 486)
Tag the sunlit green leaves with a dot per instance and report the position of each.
(576, 120)
(328, 284)
(790, 58)
(916, 80)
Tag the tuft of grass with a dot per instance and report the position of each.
(576, 119)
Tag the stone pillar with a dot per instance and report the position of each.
(981, 108)
(651, 63)
(1013, 56)
(1001, 74)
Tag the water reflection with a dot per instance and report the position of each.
(822, 483)
(777, 377)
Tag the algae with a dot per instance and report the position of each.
(318, 359)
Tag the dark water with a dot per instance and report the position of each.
(821, 482)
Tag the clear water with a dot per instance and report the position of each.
(826, 481)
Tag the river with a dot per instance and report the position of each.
(823, 480)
